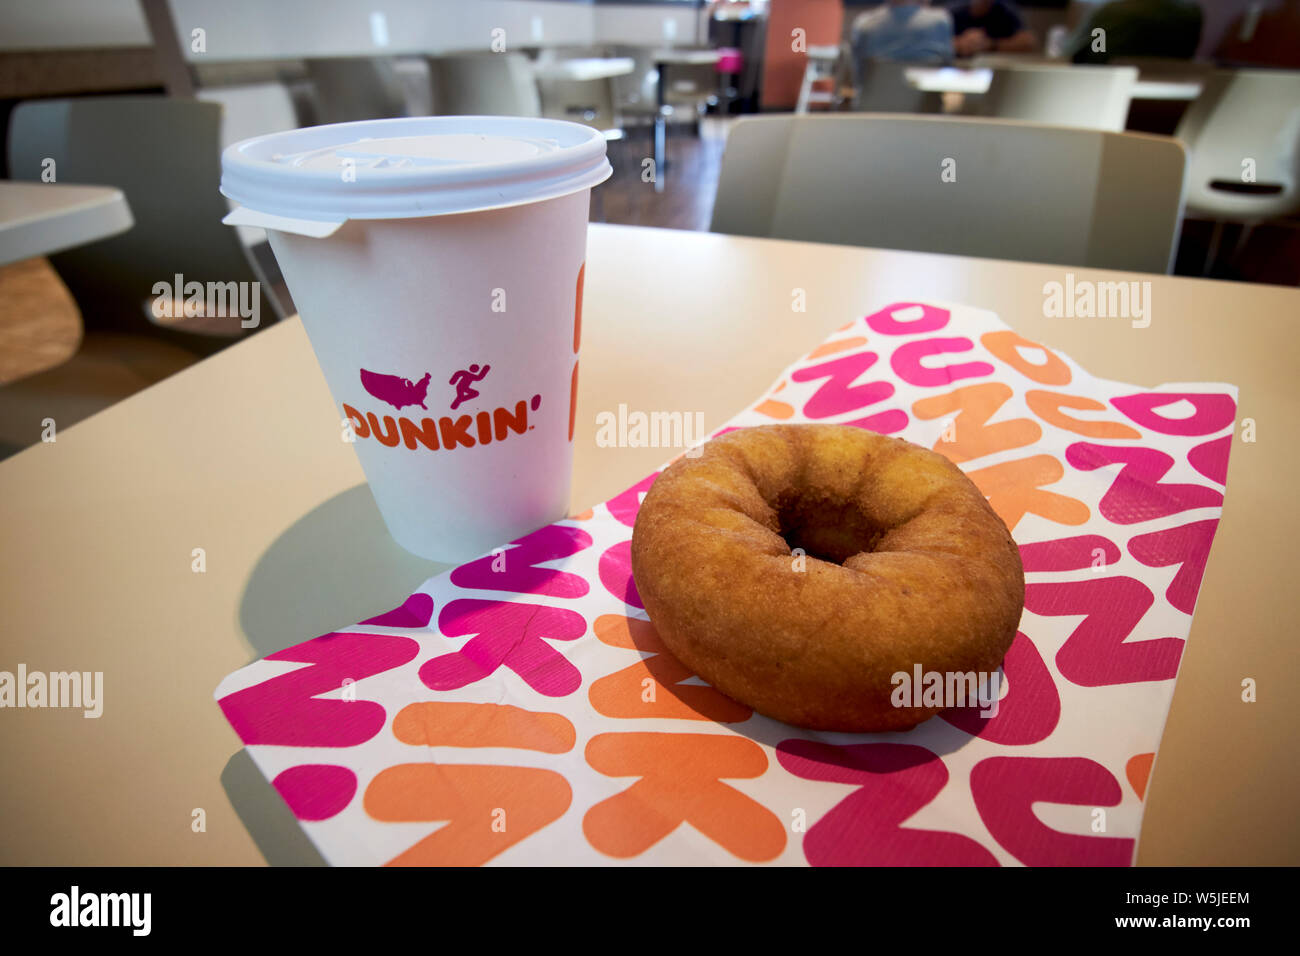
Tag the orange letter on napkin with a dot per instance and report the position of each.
(622, 694)
(1006, 345)
(1014, 489)
(1048, 405)
(490, 808)
(974, 436)
(681, 782)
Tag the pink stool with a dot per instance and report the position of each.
(730, 60)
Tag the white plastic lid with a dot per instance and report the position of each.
(313, 180)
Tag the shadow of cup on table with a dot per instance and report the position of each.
(266, 817)
(333, 567)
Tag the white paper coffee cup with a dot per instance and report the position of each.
(437, 265)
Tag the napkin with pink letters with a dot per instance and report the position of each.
(520, 709)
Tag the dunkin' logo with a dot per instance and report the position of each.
(446, 431)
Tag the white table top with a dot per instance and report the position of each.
(583, 69)
(240, 455)
(1167, 89)
(950, 79)
(688, 57)
(37, 219)
(974, 81)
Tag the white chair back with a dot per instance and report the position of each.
(247, 110)
(881, 86)
(993, 188)
(251, 109)
(484, 84)
(1092, 97)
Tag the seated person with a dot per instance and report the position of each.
(1161, 28)
(908, 32)
(989, 26)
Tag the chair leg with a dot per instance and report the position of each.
(1240, 245)
(1215, 238)
(660, 148)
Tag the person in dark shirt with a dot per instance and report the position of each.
(983, 26)
(1159, 28)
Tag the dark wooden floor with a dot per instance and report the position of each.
(690, 179)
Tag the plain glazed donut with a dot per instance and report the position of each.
(906, 564)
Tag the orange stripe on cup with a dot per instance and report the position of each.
(577, 312)
(573, 400)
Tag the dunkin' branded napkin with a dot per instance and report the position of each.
(521, 709)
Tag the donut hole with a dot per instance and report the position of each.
(829, 530)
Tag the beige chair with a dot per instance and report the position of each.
(165, 155)
(484, 84)
(247, 110)
(1093, 97)
(251, 109)
(1021, 191)
(356, 88)
(881, 86)
(578, 101)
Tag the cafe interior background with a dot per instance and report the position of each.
(665, 80)
(138, 98)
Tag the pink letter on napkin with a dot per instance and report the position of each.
(894, 782)
(508, 634)
(517, 571)
(1005, 791)
(839, 394)
(1211, 459)
(1210, 412)
(624, 505)
(316, 791)
(1068, 554)
(1187, 546)
(615, 571)
(286, 710)
(415, 612)
(1031, 708)
(886, 321)
(906, 361)
(1137, 493)
(1098, 653)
